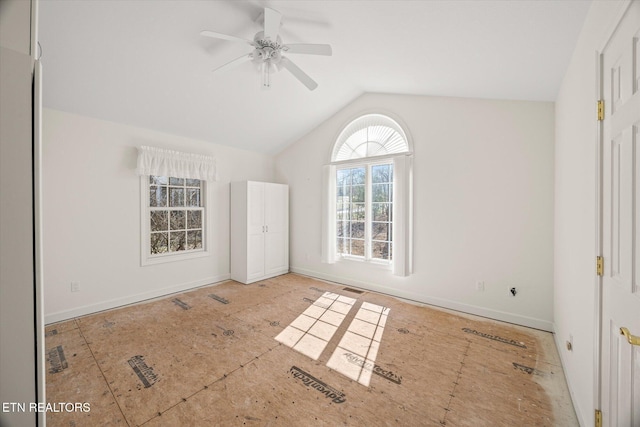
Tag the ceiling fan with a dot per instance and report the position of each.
(268, 51)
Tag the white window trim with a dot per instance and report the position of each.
(146, 258)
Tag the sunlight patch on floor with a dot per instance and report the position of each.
(310, 332)
(355, 355)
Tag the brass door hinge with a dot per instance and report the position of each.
(599, 266)
(600, 110)
(598, 418)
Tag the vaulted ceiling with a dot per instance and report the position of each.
(144, 62)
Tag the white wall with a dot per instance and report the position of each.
(483, 204)
(575, 211)
(92, 214)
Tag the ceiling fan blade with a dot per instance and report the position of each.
(231, 64)
(311, 49)
(215, 35)
(272, 20)
(298, 73)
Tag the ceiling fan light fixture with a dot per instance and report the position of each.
(268, 49)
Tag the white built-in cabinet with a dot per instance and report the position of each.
(259, 230)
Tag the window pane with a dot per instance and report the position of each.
(357, 211)
(357, 193)
(194, 239)
(193, 197)
(381, 192)
(381, 173)
(194, 219)
(176, 197)
(177, 220)
(157, 196)
(358, 175)
(343, 177)
(342, 229)
(380, 231)
(159, 220)
(177, 241)
(176, 181)
(357, 247)
(380, 250)
(340, 245)
(192, 182)
(357, 230)
(381, 211)
(157, 180)
(159, 243)
(342, 210)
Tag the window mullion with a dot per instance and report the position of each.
(367, 213)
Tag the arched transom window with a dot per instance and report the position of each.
(369, 195)
(370, 135)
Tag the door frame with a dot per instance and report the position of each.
(597, 366)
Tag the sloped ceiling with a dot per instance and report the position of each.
(144, 62)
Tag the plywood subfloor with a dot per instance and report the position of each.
(209, 357)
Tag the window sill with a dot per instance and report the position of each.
(182, 256)
(383, 265)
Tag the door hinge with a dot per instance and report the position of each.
(598, 418)
(599, 266)
(600, 110)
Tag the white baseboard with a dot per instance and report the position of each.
(131, 299)
(517, 319)
(563, 362)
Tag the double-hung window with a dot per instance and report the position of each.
(174, 204)
(367, 213)
(176, 215)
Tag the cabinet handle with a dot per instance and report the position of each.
(267, 228)
(633, 340)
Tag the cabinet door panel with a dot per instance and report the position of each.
(275, 253)
(276, 237)
(255, 207)
(255, 256)
(276, 209)
(255, 230)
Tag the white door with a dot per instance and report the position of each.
(255, 230)
(620, 371)
(276, 220)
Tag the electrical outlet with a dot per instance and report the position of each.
(75, 286)
(480, 286)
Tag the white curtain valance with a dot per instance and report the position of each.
(162, 162)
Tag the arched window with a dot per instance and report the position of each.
(370, 136)
(368, 183)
